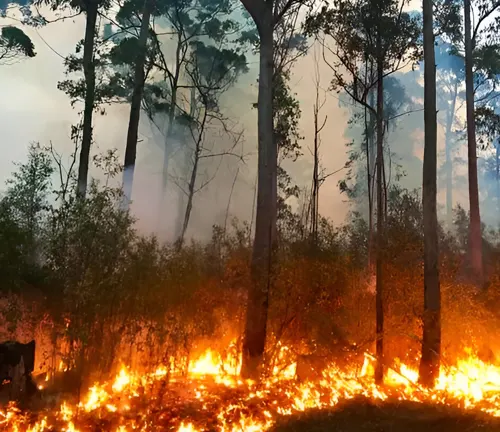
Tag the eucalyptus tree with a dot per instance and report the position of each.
(139, 80)
(355, 35)
(431, 341)
(181, 26)
(267, 15)
(400, 117)
(481, 56)
(87, 63)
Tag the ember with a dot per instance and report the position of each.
(213, 397)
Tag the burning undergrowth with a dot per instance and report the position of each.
(212, 397)
(96, 295)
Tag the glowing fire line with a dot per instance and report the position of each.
(128, 404)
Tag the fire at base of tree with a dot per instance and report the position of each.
(140, 336)
(284, 321)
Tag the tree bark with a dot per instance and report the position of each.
(371, 167)
(169, 133)
(370, 197)
(182, 163)
(135, 107)
(450, 116)
(265, 226)
(475, 236)
(497, 162)
(167, 155)
(186, 156)
(379, 305)
(191, 186)
(315, 188)
(431, 341)
(196, 160)
(89, 74)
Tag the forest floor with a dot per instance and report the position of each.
(364, 415)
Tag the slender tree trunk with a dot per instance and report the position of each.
(168, 144)
(135, 107)
(183, 163)
(88, 111)
(167, 154)
(265, 226)
(186, 154)
(228, 207)
(379, 306)
(475, 236)
(497, 160)
(191, 186)
(431, 341)
(369, 190)
(194, 170)
(450, 116)
(370, 166)
(318, 128)
(315, 188)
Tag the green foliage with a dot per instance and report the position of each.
(14, 44)
(111, 85)
(354, 28)
(216, 68)
(448, 20)
(487, 125)
(397, 101)
(287, 114)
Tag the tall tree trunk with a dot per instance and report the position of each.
(315, 187)
(431, 341)
(475, 237)
(183, 163)
(450, 116)
(191, 186)
(267, 198)
(379, 306)
(167, 154)
(187, 154)
(370, 166)
(135, 106)
(196, 160)
(497, 161)
(169, 134)
(370, 198)
(89, 74)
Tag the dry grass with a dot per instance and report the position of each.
(364, 415)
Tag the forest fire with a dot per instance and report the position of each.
(213, 397)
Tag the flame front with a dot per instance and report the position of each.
(219, 400)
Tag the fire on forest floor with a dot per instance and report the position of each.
(213, 398)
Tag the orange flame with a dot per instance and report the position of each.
(216, 391)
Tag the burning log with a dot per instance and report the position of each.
(17, 362)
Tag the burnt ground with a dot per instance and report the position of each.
(364, 415)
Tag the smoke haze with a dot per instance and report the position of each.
(33, 109)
